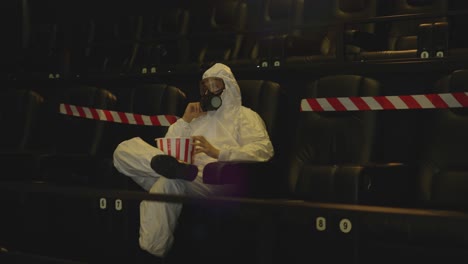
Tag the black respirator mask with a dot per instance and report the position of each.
(210, 90)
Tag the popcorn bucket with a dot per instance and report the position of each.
(179, 147)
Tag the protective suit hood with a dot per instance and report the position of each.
(231, 96)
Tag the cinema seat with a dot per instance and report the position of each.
(202, 225)
(442, 187)
(217, 32)
(67, 154)
(149, 99)
(443, 174)
(275, 21)
(20, 114)
(331, 148)
(330, 151)
(77, 141)
(163, 43)
(268, 99)
(397, 39)
(104, 47)
(314, 41)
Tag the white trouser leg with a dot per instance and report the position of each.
(133, 158)
(158, 219)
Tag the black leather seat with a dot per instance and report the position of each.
(68, 153)
(44, 55)
(441, 189)
(22, 112)
(163, 44)
(120, 243)
(276, 19)
(202, 226)
(148, 99)
(325, 164)
(20, 115)
(268, 99)
(217, 32)
(443, 175)
(77, 142)
(103, 47)
(331, 148)
(314, 41)
(399, 38)
(333, 158)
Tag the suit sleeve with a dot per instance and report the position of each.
(179, 129)
(254, 141)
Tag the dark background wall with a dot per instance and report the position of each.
(46, 43)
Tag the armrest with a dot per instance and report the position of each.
(76, 169)
(365, 40)
(373, 184)
(303, 45)
(251, 178)
(388, 184)
(329, 183)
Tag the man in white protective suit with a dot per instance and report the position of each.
(222, 129)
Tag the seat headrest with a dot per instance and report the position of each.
(419, 2)
(351, 5)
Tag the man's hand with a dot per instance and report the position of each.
(192, 111)
(202, 145)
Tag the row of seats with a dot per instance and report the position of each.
(329, 147)
(244, 34)
(77, 152)
(54, 143)
(327, 157)
(56, 149)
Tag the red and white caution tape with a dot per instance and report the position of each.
(117, 117)
(421, 101)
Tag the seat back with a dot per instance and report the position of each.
(403, 34)
(148, 99)
(105, 45)
(44, 56)
(267, 99)
(74, 142)
(315, 40)
(19, 114)
(163, 39)
(276, 20)
(327, 142)
(217, 31)
(77, 135)
(404, 38)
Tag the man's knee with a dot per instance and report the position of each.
(168, 186)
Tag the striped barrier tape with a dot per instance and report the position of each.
(117, 117)
(397, 102)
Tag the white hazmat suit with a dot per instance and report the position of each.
(236, 131)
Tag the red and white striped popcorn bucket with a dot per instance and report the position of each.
(179, 147)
